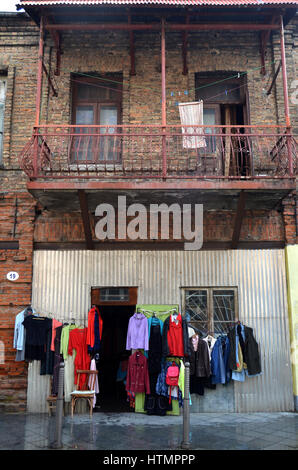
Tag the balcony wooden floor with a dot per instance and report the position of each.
(67, 200)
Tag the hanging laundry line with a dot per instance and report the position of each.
(237, 75)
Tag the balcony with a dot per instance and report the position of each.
(145, 152)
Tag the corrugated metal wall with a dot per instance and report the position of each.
(62, 282)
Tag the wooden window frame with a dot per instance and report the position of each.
(232, 83)
(96, 299)
(97, 105)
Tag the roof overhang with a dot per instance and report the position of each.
(82, 12)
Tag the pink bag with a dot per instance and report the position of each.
(172, 378)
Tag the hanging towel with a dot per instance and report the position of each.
(191, 114)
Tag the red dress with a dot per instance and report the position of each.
(175, 337)
(78, 341)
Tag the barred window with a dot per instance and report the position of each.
(2, 108)
(211, 310)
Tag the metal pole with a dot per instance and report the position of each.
(286, 94)
(284, 72)
(59, 409)
(186, 421)
(40, 70)
(163, 97)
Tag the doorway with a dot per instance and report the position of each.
(226, 103)
(113, 358)
(116, 305)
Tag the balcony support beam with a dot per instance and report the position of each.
(284, 73)
(57, 39)
(285, 184)
(39, 71)
(184, 48)
(156, 27)
(132, 49)
(274, 78)
(265, 36)
(238, 220)
(85, 218)
(286, 95)
(55, 93)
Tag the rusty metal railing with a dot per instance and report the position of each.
(123, 151)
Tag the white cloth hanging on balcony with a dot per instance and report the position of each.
(191, 114)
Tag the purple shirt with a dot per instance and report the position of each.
(137, 333)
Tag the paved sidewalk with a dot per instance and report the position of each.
(111, 431)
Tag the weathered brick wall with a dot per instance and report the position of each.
(17, 223)
(257, 226)
(207, 52)
(18, 57)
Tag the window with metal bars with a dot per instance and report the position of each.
(212, 310)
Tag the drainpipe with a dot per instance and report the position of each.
(163, 98)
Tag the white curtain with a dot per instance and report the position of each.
(191, 114)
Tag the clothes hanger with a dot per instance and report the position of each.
(37, 317)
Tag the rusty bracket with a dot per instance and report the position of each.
(132, 48)
(85, 218)
(55, 93)
(57, 40)
(238, 219)
(264, 38)
(184, 47)
(274, 78)
(58, 52)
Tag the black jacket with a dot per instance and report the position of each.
(165, 329)
(251, 351)
(199, 360)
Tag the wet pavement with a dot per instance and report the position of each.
(123, 431)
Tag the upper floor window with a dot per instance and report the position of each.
(3, 82)
(97, 101)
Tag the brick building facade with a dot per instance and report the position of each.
(33, 221)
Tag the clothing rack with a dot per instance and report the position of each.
(70, 320)
(141, 310)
